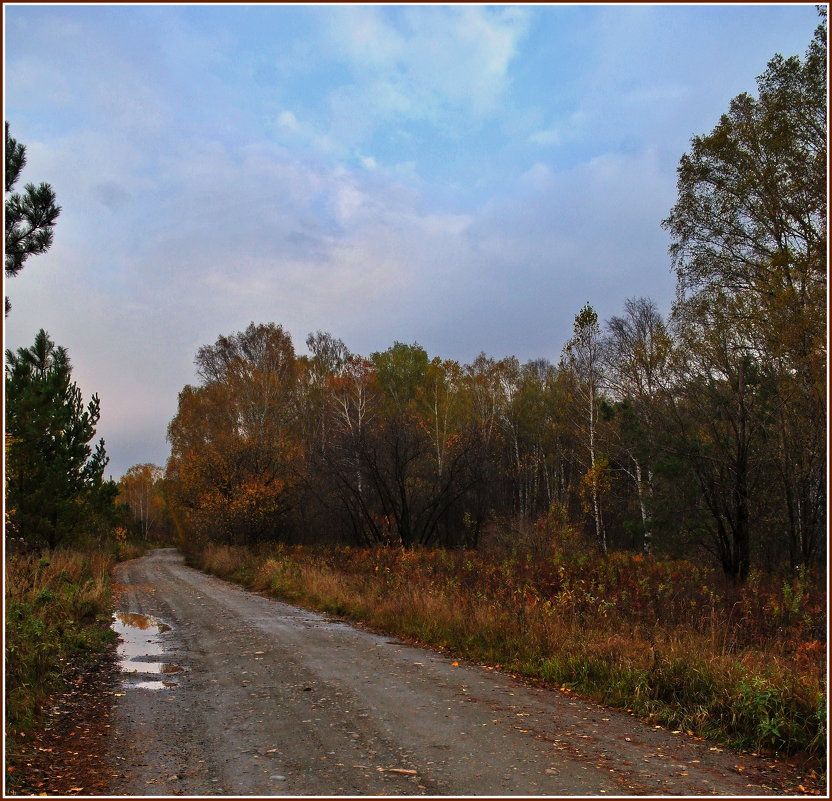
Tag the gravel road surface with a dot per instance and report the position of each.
(226, 692)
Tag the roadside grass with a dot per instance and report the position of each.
(665, 640)
(58, 608)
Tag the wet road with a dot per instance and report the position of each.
(226, 692)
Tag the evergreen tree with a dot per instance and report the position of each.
(54, 476)
(30, 217)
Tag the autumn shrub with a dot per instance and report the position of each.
(58, 612)
(667, 639)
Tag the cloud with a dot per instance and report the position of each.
(252, 233)
(441, 174)
(288, 121)
(568, 130)
(547, 138)
(112, 195)
(536, 177)
(590, 232)
(422, 62)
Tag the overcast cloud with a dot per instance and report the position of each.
(465, 177)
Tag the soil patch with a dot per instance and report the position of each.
(68, 756)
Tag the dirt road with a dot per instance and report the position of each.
(237, 694)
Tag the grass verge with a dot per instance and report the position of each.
(57, 618)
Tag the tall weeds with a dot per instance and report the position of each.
(665, 639)
(58, 609)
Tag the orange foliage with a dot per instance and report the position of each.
(235, 455)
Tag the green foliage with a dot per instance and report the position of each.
(752, 193)
(54, 477)
(749, 246)
(57, 614)
(30, 217)
(401, 370)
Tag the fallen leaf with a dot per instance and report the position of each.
(455, 664)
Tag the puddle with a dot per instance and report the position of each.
(137, 666)
(134, 620)
(140, 646)
(154, 685)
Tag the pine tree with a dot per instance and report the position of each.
(54, 476)
(30, 217)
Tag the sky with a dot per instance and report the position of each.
(465, 177)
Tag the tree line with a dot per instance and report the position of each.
(699, 430)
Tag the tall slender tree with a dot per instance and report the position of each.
(583, 356)
(636, 350)
(140, 489)
(749, 248)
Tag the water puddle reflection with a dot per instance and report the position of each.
(139, 648)
(154, 685)
(137, 666)
(134, 620)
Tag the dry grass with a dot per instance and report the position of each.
(57, 612)
(664, 639)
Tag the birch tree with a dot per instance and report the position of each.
(583, 356)
(636, 350)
